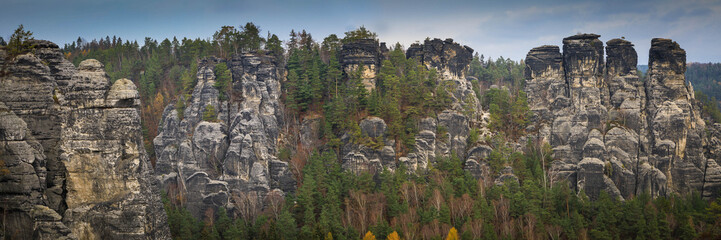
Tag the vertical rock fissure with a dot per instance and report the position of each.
(703, 180)
(638, 163)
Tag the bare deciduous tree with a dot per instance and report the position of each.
(408, 223)
(247, 205)
(475, 226)
(528, 225)
(503, 217)
(460, 207)
(554, 231)
(357, 210)
(436, 199)
(411, 193)
(274, 201)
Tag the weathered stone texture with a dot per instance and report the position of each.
(211, 163)
(611, 131)
(74, 143)
(450, 59)
(364, 53)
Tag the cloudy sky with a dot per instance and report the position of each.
(495, 28)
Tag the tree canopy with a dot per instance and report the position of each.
(359, 33)
(19, 42)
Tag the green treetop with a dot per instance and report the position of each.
(222, 80)
(360, 33)
(19, 42)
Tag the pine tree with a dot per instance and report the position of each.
(274, 47)
(224, 223)
(292, 91)
(151, 76)
(287, 225)
(330, 215)
(334, 73)
(250, 36)
(19, 42)
(222, 80)
(209, 114)
(360, 33)
(316, 84)
(189, 78)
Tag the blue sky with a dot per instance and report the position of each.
(495, 28)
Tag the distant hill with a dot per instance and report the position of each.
(705, 77)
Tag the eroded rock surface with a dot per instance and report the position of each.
(609, 130)
(211, 163)
(450, 59)
(72, 146)
(441, 136)
(366, 53)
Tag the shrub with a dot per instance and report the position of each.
(210, 114)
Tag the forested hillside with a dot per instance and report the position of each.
(447, 199)
(705, 77)
(163, 70)
(444, 201)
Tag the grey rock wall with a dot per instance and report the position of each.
(212, 163)
(73, 148)
(611, 131)
(366, 53)
(450, 59)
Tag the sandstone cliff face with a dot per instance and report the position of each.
(211, 164)
(73, 148)
(366, 53)
(23, 183)
(611, 131)
(450, 59)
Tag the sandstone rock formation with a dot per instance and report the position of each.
(611, 131)
(72, 146)
(450, 59)
(439, 136)
(24, 172)
(364, 53)
(217, 163)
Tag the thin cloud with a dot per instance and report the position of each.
(411, 30)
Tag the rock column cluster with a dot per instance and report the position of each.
(230, 161)
(612, 131)
(74, 162)
(438, 136)
(366, 53)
